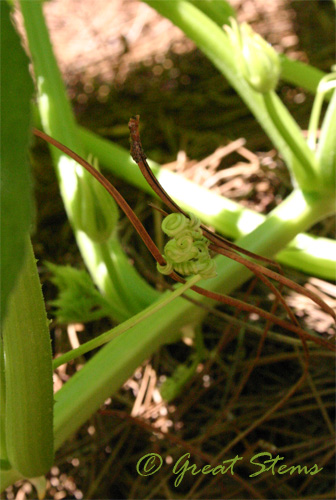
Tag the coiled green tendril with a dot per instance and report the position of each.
(187, 252)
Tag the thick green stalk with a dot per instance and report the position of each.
(326, 152)
(303, 167)
(219, 12)
(4, 464)
(58, 121)
(295, 72)
(214, 42)
(108, 370)
(328, 83)
(300, 74)
(313, 255)
(126, 325)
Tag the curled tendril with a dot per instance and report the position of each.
(202, 248)
(187, 252)
(174, 224)
(167, 269)
(194, 222)
(181, 249)
(205, 268)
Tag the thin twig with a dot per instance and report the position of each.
(138, 154)
(139, 157)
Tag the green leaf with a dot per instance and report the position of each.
(28, 373)
(78, 299)
(16, 93)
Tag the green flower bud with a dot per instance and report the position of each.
(257, 61)
(97, 211)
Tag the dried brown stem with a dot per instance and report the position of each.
(219, 244)
(138, 154)
(113, 192)
(139, 157)
(175, 440)
(256, 268)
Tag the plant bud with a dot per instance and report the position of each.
(98, 212)
(257, 61)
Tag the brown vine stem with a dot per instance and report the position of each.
(139, 157)
(138, 226)
(260, 271)
(174, 439)
(220, 245)
(256, 268)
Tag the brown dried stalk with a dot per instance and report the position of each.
(139, 156)
(219, 244)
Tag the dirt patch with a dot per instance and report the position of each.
(106, 38)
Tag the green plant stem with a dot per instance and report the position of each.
(327, 83)
(295, 72)
(126, 325)
(311, 254)
(58, 121)
(3, 448)
(300, 74)
(219, 12)
(303, 166)
(108, 253)
(326, 152)
(215, 44)
(127, 278)
(111, 366)
(114, 363)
